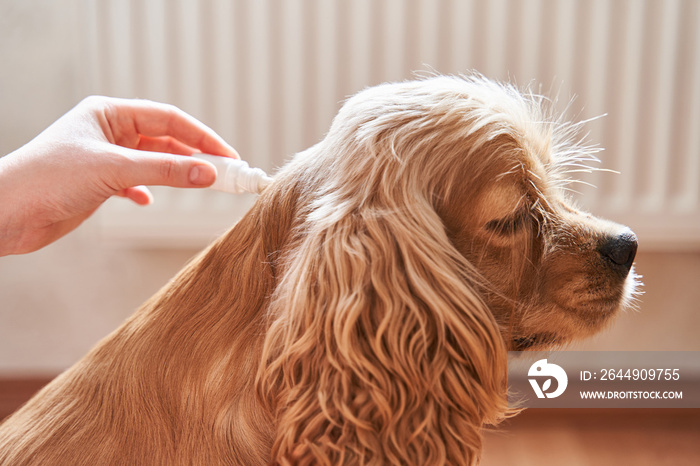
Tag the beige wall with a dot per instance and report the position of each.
(56, 303)
(38, 79)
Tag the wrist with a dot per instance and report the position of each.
(13, 214)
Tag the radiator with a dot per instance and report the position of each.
(269, 75)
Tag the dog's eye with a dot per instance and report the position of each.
(508, 225)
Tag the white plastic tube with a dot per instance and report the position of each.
(236, 176)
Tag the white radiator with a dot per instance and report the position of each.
(269, 75)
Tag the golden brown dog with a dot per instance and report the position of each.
(360, 313)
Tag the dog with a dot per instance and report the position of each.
(362, 310)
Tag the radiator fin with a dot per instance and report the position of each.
(269, 75)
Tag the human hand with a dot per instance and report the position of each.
(102, 147)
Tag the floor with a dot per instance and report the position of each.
(15, 391)
(582, 437)
(547, 437)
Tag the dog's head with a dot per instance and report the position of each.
(434, 233)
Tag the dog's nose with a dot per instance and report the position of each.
(620, 250)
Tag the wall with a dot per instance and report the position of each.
(58, 302)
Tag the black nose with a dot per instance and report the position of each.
(620, 251)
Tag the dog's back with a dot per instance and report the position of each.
(174, 384)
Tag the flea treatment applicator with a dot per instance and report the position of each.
(235, 176)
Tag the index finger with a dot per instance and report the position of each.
(129, 118)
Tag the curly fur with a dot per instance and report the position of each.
(361, 312)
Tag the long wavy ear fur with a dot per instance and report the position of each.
(379, 350)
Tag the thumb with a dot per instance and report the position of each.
(157, 168)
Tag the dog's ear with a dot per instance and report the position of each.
(379, 349)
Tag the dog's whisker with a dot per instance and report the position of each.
(570, 190)
(606, 170)
(584, 155)
(576, 181)
(575, 170)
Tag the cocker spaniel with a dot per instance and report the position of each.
(362, 310)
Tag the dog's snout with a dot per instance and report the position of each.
(620, 250)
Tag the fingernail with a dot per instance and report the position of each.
(202, 175)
